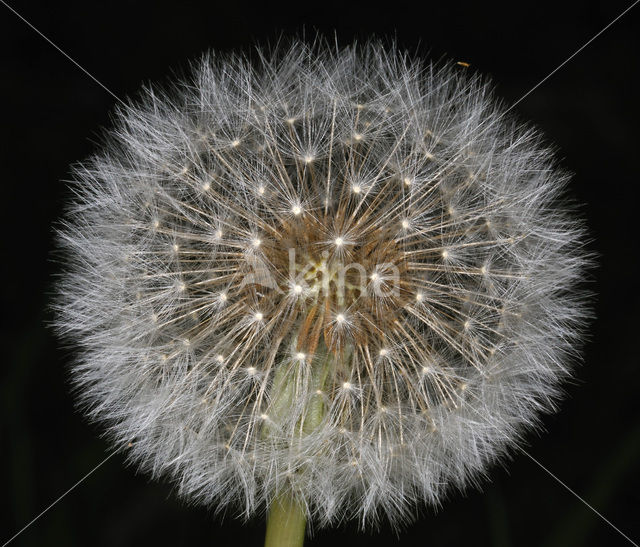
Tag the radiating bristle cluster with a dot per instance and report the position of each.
(343, 274)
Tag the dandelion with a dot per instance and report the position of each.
(332, 335)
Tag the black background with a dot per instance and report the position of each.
(51, 113)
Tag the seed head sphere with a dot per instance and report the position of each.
(340, 273)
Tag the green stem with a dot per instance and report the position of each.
(287, 515)
(286, 523)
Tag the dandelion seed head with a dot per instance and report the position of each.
(412, 270)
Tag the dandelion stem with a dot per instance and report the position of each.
(286, 523)
(287, 515)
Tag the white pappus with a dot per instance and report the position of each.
(343, 273)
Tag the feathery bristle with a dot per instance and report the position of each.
(343, 273)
